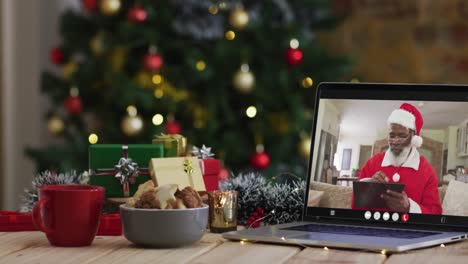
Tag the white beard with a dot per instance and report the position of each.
(398, 160)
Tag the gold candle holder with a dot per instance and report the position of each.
(223, 211)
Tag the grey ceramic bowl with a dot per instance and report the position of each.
(163, 227)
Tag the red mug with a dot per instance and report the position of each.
(69, 214)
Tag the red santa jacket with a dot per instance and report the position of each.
(421, 184)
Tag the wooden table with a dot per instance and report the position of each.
(33, 247)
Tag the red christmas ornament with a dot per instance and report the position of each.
(89, 5)
(172, 127)
(73, 105)
(137, 14)
(152, 62)
(294, 56)
(254, 220)
(260, 160)
(56, 56)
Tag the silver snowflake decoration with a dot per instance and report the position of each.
(48, 178)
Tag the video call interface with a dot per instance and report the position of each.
(363, 162)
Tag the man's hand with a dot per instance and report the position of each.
(379, 177)
(396, 201)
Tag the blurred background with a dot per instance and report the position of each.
(237, 76)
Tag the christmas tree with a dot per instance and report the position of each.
(237, 76)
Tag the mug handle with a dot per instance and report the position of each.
(37, 217)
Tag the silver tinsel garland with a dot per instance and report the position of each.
(286, 201)
(281, 202)
(47, 178)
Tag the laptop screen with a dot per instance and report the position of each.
(395, 153)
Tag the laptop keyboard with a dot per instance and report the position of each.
(362, 231)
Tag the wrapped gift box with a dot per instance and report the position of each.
(110, 225)
(104, 157)
(174, 145)
(184, 171)
(210, 169)
(16, 221)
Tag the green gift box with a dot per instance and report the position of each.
(104, 157)
(174, 144)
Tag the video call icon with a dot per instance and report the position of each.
(386, 216)
(367, 215)
(405, 217)
(377, 215)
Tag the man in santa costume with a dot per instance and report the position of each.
(402, 163)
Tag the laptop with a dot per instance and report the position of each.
(349, 128)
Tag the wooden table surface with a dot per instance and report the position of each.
(33, 247)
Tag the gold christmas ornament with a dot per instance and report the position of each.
(131, 110)
(109, 7)
(69, 69)
(239, 18)
(131, 125)
(222, 5)
(307, 82)
(304, 147)
(157, 79)
(230, 35)
(200, 65)
(55, 125)
(213, 9)
(244, 80)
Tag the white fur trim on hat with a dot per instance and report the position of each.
(416, 141)
(402, 117)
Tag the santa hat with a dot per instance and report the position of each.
(410, 117)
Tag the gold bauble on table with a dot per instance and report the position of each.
(304, 147)
(239, 18)
(131, 125)
(55, 125)
(109, 7)
(244, 80)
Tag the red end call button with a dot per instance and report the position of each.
(405, 217)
